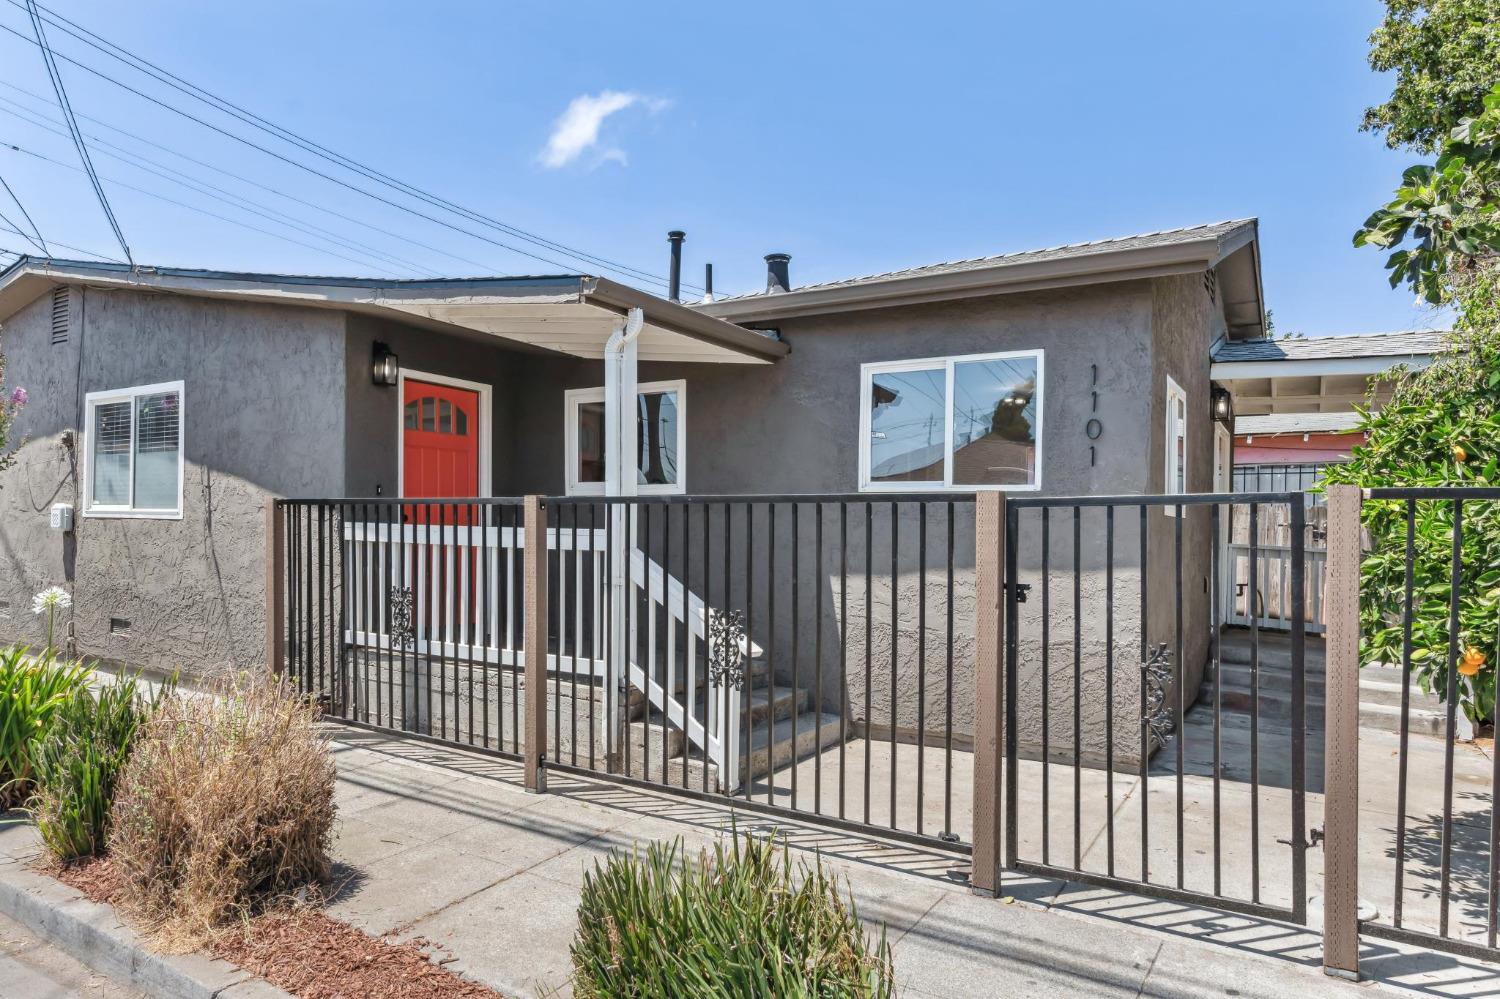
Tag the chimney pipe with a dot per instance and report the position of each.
(708, 282)
(778, 274)
(674, 277)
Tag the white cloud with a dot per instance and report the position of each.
(576, 130)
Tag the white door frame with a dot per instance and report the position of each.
(486, 424)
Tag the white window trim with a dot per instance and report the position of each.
(129, 512)
(1175, 394)
(571, 399)
(867, 373)
(486, 423)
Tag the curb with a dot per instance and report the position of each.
(92, 933)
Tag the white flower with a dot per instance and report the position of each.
(51, 598)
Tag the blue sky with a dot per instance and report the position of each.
(857, 137)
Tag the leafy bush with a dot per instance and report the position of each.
(32, 689)
(741, 922)
(1441, 428)
(225, 805)
(77, 765)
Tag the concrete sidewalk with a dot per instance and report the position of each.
(446, 846)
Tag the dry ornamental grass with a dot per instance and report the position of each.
(225, 807)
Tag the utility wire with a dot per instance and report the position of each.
(65, 246)
(234, 200)
(483, 267)
(159, 73)
(225, 106)
(195, 208)
(39, 120)
(39, 242)
(83, 149)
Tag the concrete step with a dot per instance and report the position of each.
(758, 673)
(788, 702)
(771, 747)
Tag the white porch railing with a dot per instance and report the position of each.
(1273, 587)
(460, 584)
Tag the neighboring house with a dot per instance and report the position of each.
(167, 404)
(1296, 438)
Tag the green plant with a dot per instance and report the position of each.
(225, 804)
(32, 689)
(78, 762)
(1441, 428)
(1443, 54)
(1450, 211)
(739, 922)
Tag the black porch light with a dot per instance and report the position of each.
(386, 368)
(1223, 404)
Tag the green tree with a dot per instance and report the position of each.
(1448, 212)
(1446, 56)
(1441, 427)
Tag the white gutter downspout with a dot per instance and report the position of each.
(619, 480)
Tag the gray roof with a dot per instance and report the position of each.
(1408, 343)
(1167, 237)
(1296, 423)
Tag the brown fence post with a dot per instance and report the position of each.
(989, 665)
(275, 590)
(534, 640)
(1341, 774)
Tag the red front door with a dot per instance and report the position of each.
(439, 446)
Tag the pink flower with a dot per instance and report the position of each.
(18, 397)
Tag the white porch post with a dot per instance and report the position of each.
(619, 480)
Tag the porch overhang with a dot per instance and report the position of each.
(570, 314)
(1319, 375)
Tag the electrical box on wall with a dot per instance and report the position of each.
(62, 517)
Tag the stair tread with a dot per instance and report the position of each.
(806, 722)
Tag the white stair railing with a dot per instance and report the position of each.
(447, 570)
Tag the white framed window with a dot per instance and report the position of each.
(133, 452)
(660, 437)
(1174, 481)
(961, 423)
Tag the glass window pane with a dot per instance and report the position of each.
(111, 454)
(429, 414)
(460, 422)
(907, 425)
(445, 416)
(591, 442)
(411, 415)
(657, 438)
(995, 405)
(157, 452)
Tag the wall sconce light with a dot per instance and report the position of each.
(387, 366)
(1223, 404)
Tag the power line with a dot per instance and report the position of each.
(486, 268)
(39, 242)
(67, 108)
(65, 246)
(237, 201)
(195, 208)
(225, 106)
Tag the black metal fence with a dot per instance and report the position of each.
(1114, 630)
(805, 654)
(1431, 603)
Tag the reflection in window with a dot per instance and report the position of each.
(656, 437)
(994, 422)
(591, 442)
(960, 422)
(907, 426)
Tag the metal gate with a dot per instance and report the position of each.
(1128, 744)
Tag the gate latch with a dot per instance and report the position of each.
(1020, 590)
(1315, 836)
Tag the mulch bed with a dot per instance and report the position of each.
(309, 954)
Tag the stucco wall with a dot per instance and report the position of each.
(793, 428)
(263, 404)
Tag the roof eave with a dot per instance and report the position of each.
(686, 321)
(1002, 278)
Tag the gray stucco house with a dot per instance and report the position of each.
(166, 405)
